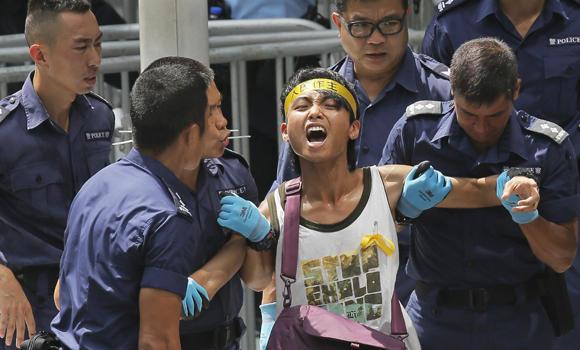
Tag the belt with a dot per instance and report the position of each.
(219, 338)
(480, 299)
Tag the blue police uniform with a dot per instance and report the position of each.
(548, 62)
(134, 225)
(419, 77)
(219, 325)
(248, 9)
(42, 167)
(457, 252)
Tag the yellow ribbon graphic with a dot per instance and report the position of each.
(386, 245)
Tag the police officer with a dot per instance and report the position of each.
(135, 232)
(544, 34)
(387, 77)
(477, 269)
(55, 134)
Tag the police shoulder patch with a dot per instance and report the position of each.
(445, 6)
(228, 153)
(424, 107)
(99, 98)
(8, 104)
(547, 128)
(434, 66)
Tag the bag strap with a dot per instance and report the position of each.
(293, 190)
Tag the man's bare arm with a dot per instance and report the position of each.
(553, 244)
(223, 266)
(258, 267)
(159, 313)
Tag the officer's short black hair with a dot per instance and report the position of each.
(169, 96)
(42, 13)
(482, 70)
(324, 73)
(341, 5)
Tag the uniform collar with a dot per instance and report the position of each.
(511, 140)
(36, 114)
(155, 167)
(486, 8)
(214, 166)
(406, 75)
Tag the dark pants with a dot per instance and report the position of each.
(524, 326)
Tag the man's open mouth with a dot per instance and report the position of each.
(316, 134)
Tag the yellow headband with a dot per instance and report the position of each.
(320, 84)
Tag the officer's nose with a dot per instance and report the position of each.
(222, 122)
(94, 60)
(376, 38)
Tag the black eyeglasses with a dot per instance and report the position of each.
(364, 29)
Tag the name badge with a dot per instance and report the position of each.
(97, 135)
(236, 190)
(571, 40)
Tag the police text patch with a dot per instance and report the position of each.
(97, 135)
(571, 40)
(236, 190)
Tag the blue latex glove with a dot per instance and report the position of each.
(268, 318)
(422, 193)
(512, 201)
(243, 216)
(195, 298)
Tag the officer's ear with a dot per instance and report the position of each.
(517, 89)
(336, 21)
(36, 52)
(284, 131)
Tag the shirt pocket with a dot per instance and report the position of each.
(39, 187)
(560, 95)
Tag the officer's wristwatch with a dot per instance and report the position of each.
(401, 219)
(268, 242)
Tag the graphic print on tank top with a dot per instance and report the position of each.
(348, 284)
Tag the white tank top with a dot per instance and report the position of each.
(337, 273)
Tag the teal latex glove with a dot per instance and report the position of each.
(242, 216)
(268, 317)
(195, 298)
(422, 193)
(512, 201)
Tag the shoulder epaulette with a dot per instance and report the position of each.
(179, 204)
(424, 107)
(8, 104)
(228, 153)
(547, 128)
(100, 98)
(435, 66)
(446, 5)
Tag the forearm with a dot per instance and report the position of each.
(471, 193)
(553, 244)
(258, 269)
(148, 342)
(223, 266)
(56, 295)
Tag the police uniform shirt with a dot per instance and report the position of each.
(419, 77)
(548, 56)
(218, 176)
(482, 247)
(131, 226)
(42, 167)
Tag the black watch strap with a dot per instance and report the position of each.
(268, 242)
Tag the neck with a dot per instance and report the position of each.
(522, 13)
(56, 101)
(172, 158)
(373, 84)
(327, 182)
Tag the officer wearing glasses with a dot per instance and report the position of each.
(387, 77)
